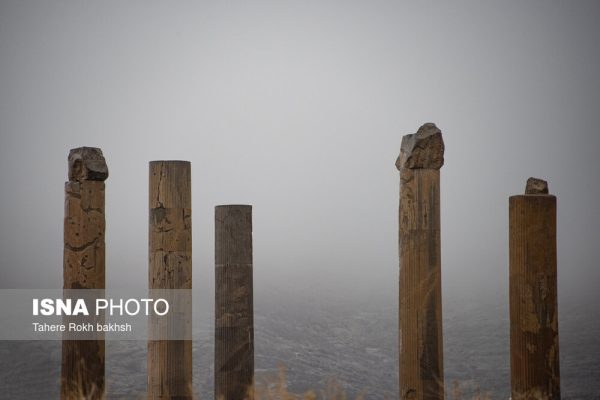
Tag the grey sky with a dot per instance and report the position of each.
(298, 108)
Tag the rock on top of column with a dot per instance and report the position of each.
(422, 150)
(536, 186)
(87, 164)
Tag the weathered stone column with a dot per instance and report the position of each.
(82, 368)
(533, 301)
(234, 320)
(420, 310)
(170, 267)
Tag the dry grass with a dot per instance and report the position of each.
(278, 391)
(334, 391)
(457, 393)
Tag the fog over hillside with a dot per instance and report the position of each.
(298, 108)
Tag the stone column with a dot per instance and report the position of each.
(533, 302)
(234, 320)
(420, 308)
(82, 368)
(170, 267)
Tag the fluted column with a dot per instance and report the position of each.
(234, 320)
(534, 360)
(420, 295)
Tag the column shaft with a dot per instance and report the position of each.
(82, 367)
(420, 311)
(534, 357)
(234, 320)
(420, 290)
(170, 267)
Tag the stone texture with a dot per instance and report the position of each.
(420, 291)
(422, 150)
(234, 314)
(170, 267)
(87, 164)
(536, 186)
(534, 341)
(84, 245)
(82, 366)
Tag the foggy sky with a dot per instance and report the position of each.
(298, 108)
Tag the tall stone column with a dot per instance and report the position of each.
(234, 319)
(420, 308)
(82, 368)
(170, 267)
(533, 301)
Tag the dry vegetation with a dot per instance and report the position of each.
(334, 391)
(276, 389)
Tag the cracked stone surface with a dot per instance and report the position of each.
(84, 225)
(87, 164)
(82, 371)
(170, 225)
(170, 267)
(536, 186)
(423, 149)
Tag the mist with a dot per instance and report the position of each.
(298, 108)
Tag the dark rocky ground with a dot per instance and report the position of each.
(353, 343)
